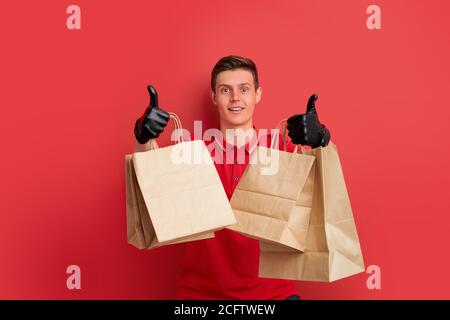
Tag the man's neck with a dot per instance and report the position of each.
(238, 135)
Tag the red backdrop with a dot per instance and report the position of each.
(70, 97)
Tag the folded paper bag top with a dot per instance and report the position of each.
(275, 207)
(174, 181)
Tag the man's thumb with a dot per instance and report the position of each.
(311, 107)
(153, 97)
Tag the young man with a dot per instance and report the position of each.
(226, 266)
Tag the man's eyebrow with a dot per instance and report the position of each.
(226, 85)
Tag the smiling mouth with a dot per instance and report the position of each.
(235, 109)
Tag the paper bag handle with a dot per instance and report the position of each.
(178, 128)
(277, 133)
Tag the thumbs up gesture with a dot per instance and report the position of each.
(153, 121)
(306, 128)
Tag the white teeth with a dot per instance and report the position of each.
(235, 109)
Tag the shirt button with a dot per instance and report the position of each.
(236, 178)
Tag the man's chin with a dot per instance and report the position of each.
(233, 123)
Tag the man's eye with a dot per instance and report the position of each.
(224, 90)
(244, 89)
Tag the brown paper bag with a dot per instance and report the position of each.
(332, 249)
(275, 207)
(181, 192)
(140, 231)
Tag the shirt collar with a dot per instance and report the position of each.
(249, 146)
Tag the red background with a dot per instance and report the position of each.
(69, 99)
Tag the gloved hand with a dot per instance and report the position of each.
(153, 121)
(306, 128)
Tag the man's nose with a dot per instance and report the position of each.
(235, 95)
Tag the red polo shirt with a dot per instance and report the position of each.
(226, 266)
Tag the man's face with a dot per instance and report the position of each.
(235, 97)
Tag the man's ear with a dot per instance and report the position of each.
(258, 94)
(213, 97)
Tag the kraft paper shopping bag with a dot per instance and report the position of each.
(140, 231)
(181, 191)
(332, 248)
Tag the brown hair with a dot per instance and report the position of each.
(233, 63)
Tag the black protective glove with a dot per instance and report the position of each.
(153, 121)
(306, 129)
